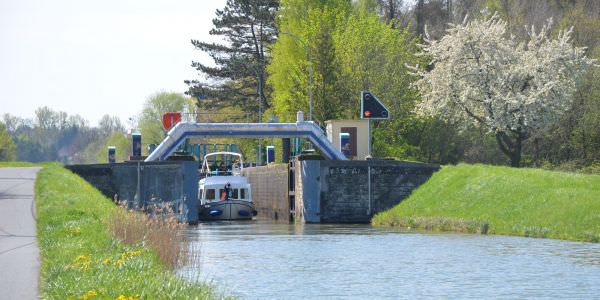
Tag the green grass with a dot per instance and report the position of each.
(7, 164)
(80, 259)
(503, 200)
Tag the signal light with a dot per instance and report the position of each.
(372, 108)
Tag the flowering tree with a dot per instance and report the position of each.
(481, 74)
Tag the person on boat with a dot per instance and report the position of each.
(236, 167)
(222, 167)
(227, 193)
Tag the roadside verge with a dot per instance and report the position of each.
(79, 257)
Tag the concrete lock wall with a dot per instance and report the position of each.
(326, 191)
(270, 191)
(353, 191)
(147, 186)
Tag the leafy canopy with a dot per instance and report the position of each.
(480, 74)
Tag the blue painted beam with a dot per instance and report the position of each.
(182, 131)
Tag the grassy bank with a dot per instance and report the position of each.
(80, 258)
(502, 200)
(18, 164)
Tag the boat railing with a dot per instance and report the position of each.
(228, 172)
(217, 173)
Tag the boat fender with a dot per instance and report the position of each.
(215, 212)
(243, 213)
(254, 213)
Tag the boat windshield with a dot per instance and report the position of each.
(212, 194)
(222, 164)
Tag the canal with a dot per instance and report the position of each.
(261, 260)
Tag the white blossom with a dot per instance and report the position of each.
(482, 74)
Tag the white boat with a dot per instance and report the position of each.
(223, 193)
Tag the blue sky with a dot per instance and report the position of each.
(97, 57)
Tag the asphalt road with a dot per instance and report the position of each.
(19, 254)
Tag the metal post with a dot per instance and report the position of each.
(259, 154)
(138, 190)
(369, 189)
(310, 76)
(369, 148)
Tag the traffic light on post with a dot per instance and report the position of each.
(371, 108)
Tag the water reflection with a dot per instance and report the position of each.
(316, 261)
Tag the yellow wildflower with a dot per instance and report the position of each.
(129, 254)
(134, 253)
(82, 257)
(82, 262)
(89, 294)
(119, 262)
(74, 231)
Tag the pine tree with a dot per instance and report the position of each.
(238, 79)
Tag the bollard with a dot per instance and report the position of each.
(136, 144)
(299, 116)
(112, 152)
(285, 150)
(270, 154)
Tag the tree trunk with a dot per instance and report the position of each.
(449, 15)
(511, 148)
(420, 18)
(515, 160)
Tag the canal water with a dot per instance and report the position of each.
(261, 260)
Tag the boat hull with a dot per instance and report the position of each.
(227, 210)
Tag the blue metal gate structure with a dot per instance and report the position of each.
(184, 130)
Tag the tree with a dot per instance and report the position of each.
(150, 121)
(352, 50)
(248, 28)
(480, 74)
(109, 124)
(308, 26)
(391, 11)
(98, 152)
(7, 147)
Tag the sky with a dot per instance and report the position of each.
(98, 57)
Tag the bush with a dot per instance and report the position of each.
(159, 232)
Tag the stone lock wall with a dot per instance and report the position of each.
(270, 191)
(353, 191)
(144, 186)
(326, 191)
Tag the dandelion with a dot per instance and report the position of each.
(74, 231)
(119, 262)
(89, 294)
(82, 257)
(125, 256)
(82, 262)
(132, 253)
